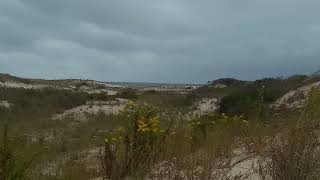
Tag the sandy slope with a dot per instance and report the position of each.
(295, 98)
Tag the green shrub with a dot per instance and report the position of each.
(243, 100)
(32, 104)
(129, 93)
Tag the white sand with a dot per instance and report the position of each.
(5, 104)
(295, 98)
(206, 106)
(92, 108)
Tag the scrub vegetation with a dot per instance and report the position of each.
(156, 137)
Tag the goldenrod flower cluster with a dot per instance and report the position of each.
(150, 125)
(131, 104)
(137, 118)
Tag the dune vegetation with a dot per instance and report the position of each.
(155, 135)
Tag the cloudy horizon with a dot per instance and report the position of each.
(181, 41)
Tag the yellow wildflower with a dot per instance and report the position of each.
(162, 131)
(131, 103)
(155, 119)
(141, 127)
(145, 129)
(244, 121)
(120, 128)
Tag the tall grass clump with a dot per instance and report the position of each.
(202, 149)
(207, 128)
(12, 166)
(133, 148)
(295, 154)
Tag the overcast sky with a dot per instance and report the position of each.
(159, 40)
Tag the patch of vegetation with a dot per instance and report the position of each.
(294, 154)
(13, 166)
(156, 138)
(242, 101)
(139, 140)
(169, 100)
(128, 93)
(30, 104)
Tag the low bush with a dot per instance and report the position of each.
(243, 99)
(128, 93)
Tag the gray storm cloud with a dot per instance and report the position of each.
(159, 41)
